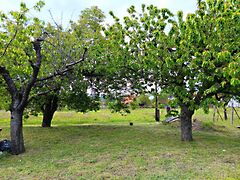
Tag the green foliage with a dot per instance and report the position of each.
(39, 5)
(116, 105)
(143, 100)
(173, 113)
(16, 48)
(76, 98)
(5, 98)
(191, 61)
(163, 98)
(138, 47)
(205, 49)
(17, 56)
(68, 46)
(196, 61)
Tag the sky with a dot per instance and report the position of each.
(64, 10)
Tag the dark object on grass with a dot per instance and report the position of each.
(131, 124)
(171, 119)
(238, 127)
(168, 108)
(0, 129)
(5, 145)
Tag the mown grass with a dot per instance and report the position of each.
(69, 118)
(101, 145)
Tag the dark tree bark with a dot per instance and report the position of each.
(186, 123)
(157, 113)
(17, 132)
(49, 109)
(225, 113)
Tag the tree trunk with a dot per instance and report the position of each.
(186, 123)
(225, 113)
(20, 99)
(157, 113)
(232, 114)
(49, 109)
(214, 113)
(17, 132)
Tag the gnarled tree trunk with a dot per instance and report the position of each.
(19, 101)
(49, 109)
(17, 132)
(186, 123)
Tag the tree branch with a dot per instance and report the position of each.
(36, 68)
(53, 19)
(68, 67)
(14, 36)
(8, 44)
(61, 51)
(10, 83)
(43, 93)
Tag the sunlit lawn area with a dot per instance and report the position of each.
(101, 145)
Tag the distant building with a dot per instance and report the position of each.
(129, 99)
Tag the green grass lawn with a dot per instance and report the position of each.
(101, 145)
